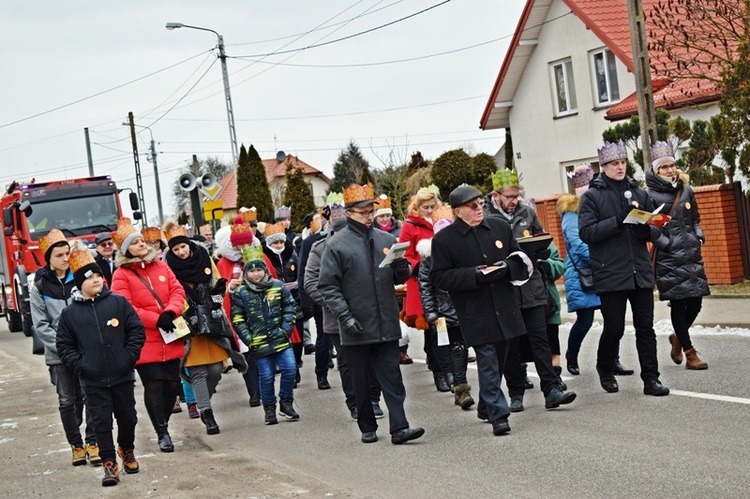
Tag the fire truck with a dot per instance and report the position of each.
(80, 208)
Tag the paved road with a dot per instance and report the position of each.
(603, 445)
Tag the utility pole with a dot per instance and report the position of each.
(137, 161)
(88, 151)
(195, 201)
(228, 97)
(156, 176)
(642, 72)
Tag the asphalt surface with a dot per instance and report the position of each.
(692, 443)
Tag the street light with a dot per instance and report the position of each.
(156, 172)
(227, 93)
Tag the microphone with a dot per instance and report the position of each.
(629, 196)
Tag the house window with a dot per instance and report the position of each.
(563, 86)
(604, 74)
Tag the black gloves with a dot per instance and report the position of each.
(623, 214)
(497, 274)
(164, 322)
(543, 254)
(220, 287)
(642, 232)
(352, 327)
(544, 267)
(400, 265)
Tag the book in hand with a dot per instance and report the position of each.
(180, 330)
(396, 251)
(538, 242)
(655, 218)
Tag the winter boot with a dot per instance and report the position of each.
(79, 455)
(111, 474)
(560, 382)
(693, 362)
(207, 416)
(440, 382)
(159, 420)
(193, 410)
(286, 409)
(92, 453)
(270, 414)
(676, 352)
(463, 396)
(129, 462)
(573, 367)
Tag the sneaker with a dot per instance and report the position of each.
(377, 410)
(129, 462)
(193, 410)
(79, 455)
(177, 407)
(353, 414)
(270, 414)
(92, 454)
(286, 409)
(405, 359)
(111, 474)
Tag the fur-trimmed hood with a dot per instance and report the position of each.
(424, 248)
(568, 203)
(121, 259)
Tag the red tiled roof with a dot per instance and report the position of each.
(228, 195)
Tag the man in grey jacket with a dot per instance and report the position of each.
(50, 294)
(361, 296)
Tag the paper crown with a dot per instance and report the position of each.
(442, 212)
(283, 212)
(79, 258)
(272, 229)
(356, 193)
(384, 202)
(249, 214)
(661, 150)
(581, 175)
(334, 198)
(612, 152)
(252, 253)
(151, 234)
(504, 178)
(338, 214)
(315, 224)
(124, 229)
(434, 189)
(175, 231)
(46, 242)
(241, 233)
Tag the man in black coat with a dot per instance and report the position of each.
(361, 296)
(622, 265)
(475, 259)
(105, 255)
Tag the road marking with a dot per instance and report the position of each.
(710, 396)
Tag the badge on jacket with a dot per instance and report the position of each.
(687, 205)
(113, 322)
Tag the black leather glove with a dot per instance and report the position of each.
(327, 212)
(543, 254)
(495, 275)
(400, 265)
(220, 287)
(544, 267)
(164, 322)
(642, 232)
(623, 214)
(352, 327)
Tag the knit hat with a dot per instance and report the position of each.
(384, 206)
(241, 233)
(253, 257)
(125, 234)
(612, 152)
(273, 233)
(661, 154)
(83, 266)
(175, 234)
(359, 196)
(581, 178)
(54, 238)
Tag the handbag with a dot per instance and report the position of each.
(585, 276)
(208, 320)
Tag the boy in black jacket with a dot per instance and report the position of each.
(100, 338)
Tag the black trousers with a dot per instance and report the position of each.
(120, 401)
(683, 314)
(491, 362)
(613, 309)
(383, 359)
(346, 377)
(536, 329)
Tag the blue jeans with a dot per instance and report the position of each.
(71, 400)
(266, 373)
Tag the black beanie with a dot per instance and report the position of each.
(84, 273)
(177, 240)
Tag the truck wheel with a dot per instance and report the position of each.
(26, 319)
(14, 321)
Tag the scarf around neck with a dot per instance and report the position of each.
(196, 269)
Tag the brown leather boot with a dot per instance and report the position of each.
(676, 352)
(692, 361)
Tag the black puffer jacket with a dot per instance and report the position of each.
(620, 259)
(100, 339)
(679, 263)
(353, 285)
(435, 302)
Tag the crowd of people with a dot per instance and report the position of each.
(479, 272)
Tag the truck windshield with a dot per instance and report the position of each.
(73, 216)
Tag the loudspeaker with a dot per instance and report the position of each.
(187, 182)
(207, 181)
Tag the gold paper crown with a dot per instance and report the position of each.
(252, 253)
(79, 258)
(356, 193)
(504, 178)
(151, 234)
(46, 242)
(334, 198)
(249, 215)
(384, 202)
(274, 229)
(175, 231)
(124, 229)
(444, 211)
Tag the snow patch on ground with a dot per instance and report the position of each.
(6, 440)
(12, 424)
(664, 328)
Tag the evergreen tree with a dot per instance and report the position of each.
(252, 185)
(350, 167)
(451, 169)
(482, 167)
(298, 196)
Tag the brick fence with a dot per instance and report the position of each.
(721, 217)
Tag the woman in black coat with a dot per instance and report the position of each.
(680, 276)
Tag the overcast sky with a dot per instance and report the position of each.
(76, 64)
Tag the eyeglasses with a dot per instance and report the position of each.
(366, 214)
(511, 198)
(106, 244)
(476, 204)
(670, 166)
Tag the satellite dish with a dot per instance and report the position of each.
(280, 156)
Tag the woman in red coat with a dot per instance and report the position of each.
(418, 226)
(139, 277)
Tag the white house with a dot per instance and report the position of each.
(566, 77)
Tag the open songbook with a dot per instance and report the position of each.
(657, 219)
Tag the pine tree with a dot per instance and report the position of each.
(298, 196)
(252, 185)
(451, 169)
(350, 167)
